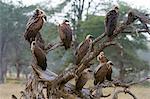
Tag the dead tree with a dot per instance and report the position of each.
(58, 86)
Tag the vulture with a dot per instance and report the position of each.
(103, 71)
(83, 48)
(131, 18)
(83, 78)
(111, 21)
(65, 33)
(34, 24)
(39, 55)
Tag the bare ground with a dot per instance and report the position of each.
(6, 90)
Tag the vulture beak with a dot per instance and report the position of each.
(45, 18)
(90, 70)
(67, 23)
(110, 62)
(91, 36)
(43, 15)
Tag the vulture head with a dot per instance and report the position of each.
(101, 55)
(40, 13)
(116, 8)
(33, 44)
(66, 21)
(89, 37)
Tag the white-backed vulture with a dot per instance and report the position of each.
(39, 56)
(111, 21)
(34, 24)
(65, 33)
(103, 72)
(131, 18)
(83, 48)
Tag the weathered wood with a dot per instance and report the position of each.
(115, 96)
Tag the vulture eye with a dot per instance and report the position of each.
(33, 43)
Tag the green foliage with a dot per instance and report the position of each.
(94, 26)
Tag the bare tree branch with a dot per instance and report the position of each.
(115, 96)
(51, 47)
(139, 31)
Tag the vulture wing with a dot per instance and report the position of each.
(81, 51)
(40, 57)
(65, 35)
(108, 76)
(100, 74)
(111, 22)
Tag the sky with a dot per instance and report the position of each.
(133, 3)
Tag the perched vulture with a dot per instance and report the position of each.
(103, 72)
(39, 55)
(39, 40)
(65, 33)
(101, 58)
(83, 78)
(131, 18)
(34, 24)
(83, 48)
(145, 26)
(111, 21)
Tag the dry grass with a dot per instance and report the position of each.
(6, 90)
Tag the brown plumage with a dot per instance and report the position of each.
(131, 18)
(111, 21)
(34, 24)
(65, 33)
(39, 40)
(83, 48)
(103, 72)
(82, 79)
(39, 55)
